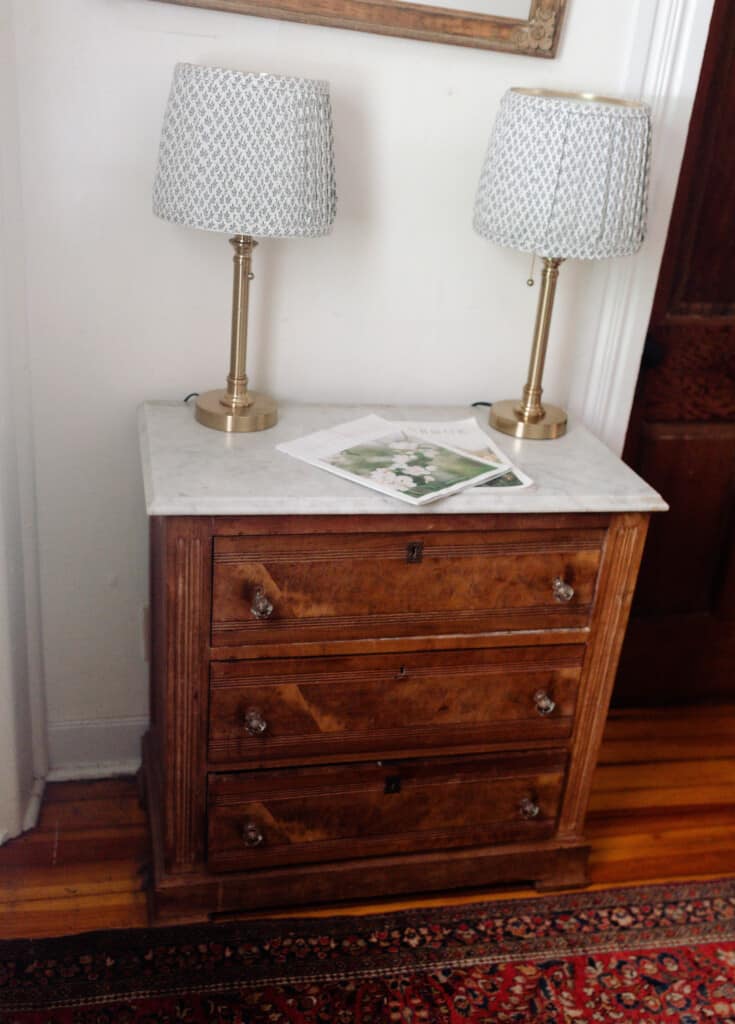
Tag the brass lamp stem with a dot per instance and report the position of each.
(236, 396)
(531, 409)
(529, 418)
(236, 409)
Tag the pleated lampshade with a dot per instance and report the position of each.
(566, 175)
(247, 154)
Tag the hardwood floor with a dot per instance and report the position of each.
(663, 807)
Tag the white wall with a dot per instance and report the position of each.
(402, 303)
(22, 745)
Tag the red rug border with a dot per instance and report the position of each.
(339, 927)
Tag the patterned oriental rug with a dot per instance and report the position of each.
(628, 956)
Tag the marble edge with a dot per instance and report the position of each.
(318, 506)
(146, 463)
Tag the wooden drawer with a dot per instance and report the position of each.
(298, 816)
(315, 588)
(309, 708)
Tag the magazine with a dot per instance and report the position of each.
(392, 458)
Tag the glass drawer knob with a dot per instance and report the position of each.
(251, 835)
(255, 724)
(529, 808)
(261, 606)
(544, 704)
(563, 592)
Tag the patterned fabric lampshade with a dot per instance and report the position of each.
(250, 154)
(565, 177)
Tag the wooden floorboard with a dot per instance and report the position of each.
(662, 808)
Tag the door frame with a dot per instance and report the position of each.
(665, 59)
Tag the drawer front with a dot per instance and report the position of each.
(262, 711)
(299, 816)
(295, 589)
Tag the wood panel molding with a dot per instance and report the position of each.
(188, 603)
(695, 381)
(616, 585)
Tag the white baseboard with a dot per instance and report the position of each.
(94, 749)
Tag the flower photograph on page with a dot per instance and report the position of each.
(415, 467)
(467, 437)
(513, 477)
(510, 479)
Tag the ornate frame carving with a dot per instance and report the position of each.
(535, 36)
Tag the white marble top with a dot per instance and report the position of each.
(192, 470)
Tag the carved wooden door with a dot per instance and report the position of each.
(680, 646)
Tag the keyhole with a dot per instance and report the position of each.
(415, 551)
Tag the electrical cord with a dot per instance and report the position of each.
(195, 394)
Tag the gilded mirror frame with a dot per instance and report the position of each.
(535, 36)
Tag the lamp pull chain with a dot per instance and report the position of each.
(530, 282)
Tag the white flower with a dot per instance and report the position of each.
(390, 479)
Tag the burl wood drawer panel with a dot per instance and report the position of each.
(262, 711)
(303, 815)
(347, 586)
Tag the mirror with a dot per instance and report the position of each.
(530, 27)
(519, 9)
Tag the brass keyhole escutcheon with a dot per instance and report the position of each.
(415, 551)
(392, 784)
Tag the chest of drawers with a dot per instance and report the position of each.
(354, 704)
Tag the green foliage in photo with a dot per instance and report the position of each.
(410, 465)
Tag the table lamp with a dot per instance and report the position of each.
(247, 154)
(565, 177)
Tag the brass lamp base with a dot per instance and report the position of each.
(260, 415)
(236, 409)
(528, 417)
(508, 418)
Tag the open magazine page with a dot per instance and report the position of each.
(388, 458)
(467, 436)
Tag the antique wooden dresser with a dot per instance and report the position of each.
(352, 698)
